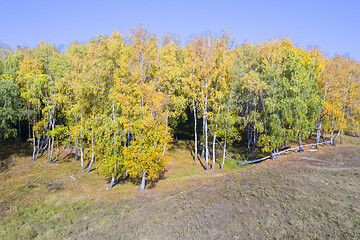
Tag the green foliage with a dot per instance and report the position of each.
(117, 98)
(11, 107)
(277, 91)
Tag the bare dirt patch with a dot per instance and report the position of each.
(326, 157)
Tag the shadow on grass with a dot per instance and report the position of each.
(13, 147)
(191, 150)
(69, 157)
(150, 184)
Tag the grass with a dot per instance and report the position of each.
(51, 219)
(350, 140)
(309, 195)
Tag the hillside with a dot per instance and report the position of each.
(309, 195)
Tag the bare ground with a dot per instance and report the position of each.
(309, 195)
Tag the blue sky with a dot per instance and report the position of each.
(333, 26)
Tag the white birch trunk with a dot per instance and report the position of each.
(214, 153)
(142, 186)
(76, 143)
(226, 123)
(34, 143)
(206, 145)
(92, 154)
(195, 123)
(332, 132)
(300, 143)
(203, 141)
(112, 181)
(81, 147)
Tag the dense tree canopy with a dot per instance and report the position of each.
(117, 100)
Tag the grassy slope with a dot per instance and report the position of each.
(301, 196)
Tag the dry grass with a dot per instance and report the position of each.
(310, 195)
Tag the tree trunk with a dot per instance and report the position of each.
(283, 126)
(164, 150)
(76, 149)
(58, 154)
(128, 138)
(226, 123)
(265, 128)
(356, 134)
(203, 141)
(285, 144)
(300, 143)
(82, 158)
(81, 147)
(51, 149)
(38, 146)
(249, 137)
(255, 138)
(206, 145)
(195, 123)
(29, 123)
(91, 162)
(318, 132)
(92, 154)
(224, 153)
(266, 134)
(112, 181)
(202, 145)
(76, 143)
(48, 130)
(341, 138)
(34, 144)
(142, 186)
(114, 176)
(332, 132)
(52, 135)
(323, 137)
(53, 129)
(336, 136)
(206, 133)
(214, 153)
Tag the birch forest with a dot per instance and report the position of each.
(118, 101)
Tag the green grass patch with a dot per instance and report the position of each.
(26, 188)
(58, 214)
(231, 165)
(350, 140)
